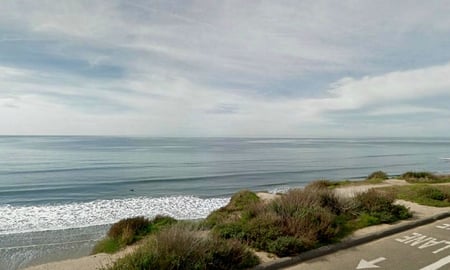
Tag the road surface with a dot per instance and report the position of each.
(423, 248)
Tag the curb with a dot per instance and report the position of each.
(325, 250)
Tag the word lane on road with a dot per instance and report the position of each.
(423, 248)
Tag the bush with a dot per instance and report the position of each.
(380, 205)
(309, 214)
(425, 177)
(241, 200)
(161, 222)
(432, 193)
(320, 184)
(301, 219)
(229, 254)
(377, 175)
(365, 220)
(310, 196)
(423, 194)
(106, 245)
(181, 248)
(420, 177)
(286, 246)
(374, 201)
(128, 231)
(258, 232)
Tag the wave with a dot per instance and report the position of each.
(21, 219)
(110, 167)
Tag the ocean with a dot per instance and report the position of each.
(59, 194)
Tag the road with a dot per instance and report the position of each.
(423, 248)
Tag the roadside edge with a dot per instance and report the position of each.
(328, 249)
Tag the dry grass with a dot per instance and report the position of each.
(186, 247)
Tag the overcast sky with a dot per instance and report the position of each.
(225, 68)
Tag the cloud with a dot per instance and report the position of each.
(405, 86)
(285, 68)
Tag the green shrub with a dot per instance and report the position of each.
(365, 220)
(432, 193)
(310, 196)
(106, 245)
(302, 219)
(377, 175)
(241, 200)
(230, 255)
(373, 200)
(420, 177)
(128, 231)
(262, 230)
(320, 184)
(240, 203)
(309, 214)
(129, 228)
(381, 206)
(160, 222)
(423, 194)
(286, 246)
(312, 225)
(181, 248)
(230, 230)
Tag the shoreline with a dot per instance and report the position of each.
(419, 212)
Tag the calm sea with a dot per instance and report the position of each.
(59, 194)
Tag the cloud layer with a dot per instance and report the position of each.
(198, 68)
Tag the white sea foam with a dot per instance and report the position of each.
(19, 219)
(280, 189)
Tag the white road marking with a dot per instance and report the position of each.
(422, 241)
(363, 264)
(444, 226)
(438, 264)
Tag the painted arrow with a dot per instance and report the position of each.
(363, 264)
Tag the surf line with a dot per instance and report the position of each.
(51, 244)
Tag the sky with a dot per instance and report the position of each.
(225, 68)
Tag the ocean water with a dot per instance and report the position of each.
(58, 195)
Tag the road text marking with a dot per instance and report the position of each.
(444, 226)
(423, 241)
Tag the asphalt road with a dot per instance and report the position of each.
(423, 248)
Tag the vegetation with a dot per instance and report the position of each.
(378, 175)
(128, 231)
(302, 219)
(184, 247)
(424, 177)
(376, 207)
(435, 195)
(242, 200)
(297, 221)
(323, 183)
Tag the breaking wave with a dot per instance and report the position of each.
(21, 219)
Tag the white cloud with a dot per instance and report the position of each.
(404, 86)
(406, 110)
(181, 63)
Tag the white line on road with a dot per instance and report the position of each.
(363, 264)
(438, 264)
